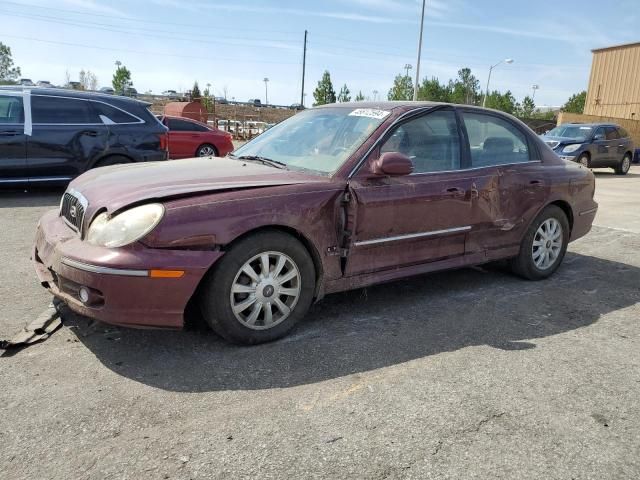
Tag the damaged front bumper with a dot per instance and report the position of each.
(115, 285)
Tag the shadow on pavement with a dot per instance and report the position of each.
(34, 197)
(374, 328)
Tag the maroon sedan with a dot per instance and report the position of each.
(335, 198)
(188, 138)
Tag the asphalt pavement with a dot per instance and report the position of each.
(465, 374)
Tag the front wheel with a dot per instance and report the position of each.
(584, 160)
(260, 289)
(624, 165)
(544, 245)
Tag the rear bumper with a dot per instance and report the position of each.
(121, 292)
(583, 220)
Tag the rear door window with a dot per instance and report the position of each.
(113, 114)
(176, 125)
(494, 141)
(11, 110)
(62, 111)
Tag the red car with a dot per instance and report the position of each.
(189, 138)
(334, 198)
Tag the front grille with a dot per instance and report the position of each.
(552, 143)
(73, 209)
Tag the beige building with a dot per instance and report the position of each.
(614, 84)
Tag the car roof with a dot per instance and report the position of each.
(65, 92)
(603, 124)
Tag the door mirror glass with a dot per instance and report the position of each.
(598, 136)
(392, 163)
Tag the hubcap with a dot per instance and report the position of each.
(547, 244)
(265, 290)
(626, 164)
(206, 151)
(584, 161)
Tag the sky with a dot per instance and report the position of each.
(234, 44)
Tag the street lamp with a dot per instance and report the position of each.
(266, 91)
(407, 67)
(506, 60)
(375, 94)
(534, 88)
(415, 87)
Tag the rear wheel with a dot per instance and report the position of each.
(260, 289)
(112, 160)
(544, 245)
(624, 165)
(206, 150)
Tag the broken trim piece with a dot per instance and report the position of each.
(40, 329)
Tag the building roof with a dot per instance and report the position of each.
(612, 47)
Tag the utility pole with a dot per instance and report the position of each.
(266, 91)
(534, 88)
(407, 67)
(304, 65)
(375, 95)
(415, 87)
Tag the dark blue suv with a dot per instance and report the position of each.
(594, 145)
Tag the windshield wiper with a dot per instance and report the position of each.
(264, 160)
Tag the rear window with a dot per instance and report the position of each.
(115, 115)
(623, 132)
(60, 110)
(11, 110)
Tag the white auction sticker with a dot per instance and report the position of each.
(369, 112)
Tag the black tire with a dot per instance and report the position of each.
(584, 160)
(524, 264)
(207, 150)
(216, 297)
(625, 164)
(112, 160)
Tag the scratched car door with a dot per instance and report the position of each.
(415, 218)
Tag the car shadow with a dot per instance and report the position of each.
(373, 328)
(32, 197)
(610, 173)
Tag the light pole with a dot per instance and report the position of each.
(415, 86)
(266, 91)
(506, 60)
(534, 88)
(375, 94)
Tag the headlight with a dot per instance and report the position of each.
(571, 148)
(126, 227)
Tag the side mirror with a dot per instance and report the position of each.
(598, 136)
(392, 163)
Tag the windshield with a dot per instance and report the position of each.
(571, 131)
(320, 139)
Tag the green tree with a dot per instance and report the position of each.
(8, 73)
(345, 94)
(434, 91)
(195, 91)
(502, 101)
(402, 88)
(359, 97)
(576, 102)
(465, 89)
(324, 92)
(121, 79)
(527, 108)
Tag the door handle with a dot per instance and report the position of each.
(456, 192)
(90, 133)
(535, 183)
(9, 133)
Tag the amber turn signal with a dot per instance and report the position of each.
(166, 273)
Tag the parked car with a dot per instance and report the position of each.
(255, 102)
(107, 91)
(296, 106)
(594, 145)
(171, 94)
(26, 82)
(69, 132)
(334, 198)
(130, 92)
(221, 100)
(44, 84)
(189, 138)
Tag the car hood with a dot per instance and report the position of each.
(549, 139)
(118, 186)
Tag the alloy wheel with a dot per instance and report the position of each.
(206, 151)
(265, 290)
(547, 244)
(626, 164)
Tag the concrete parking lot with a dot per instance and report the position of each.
(466, 374)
